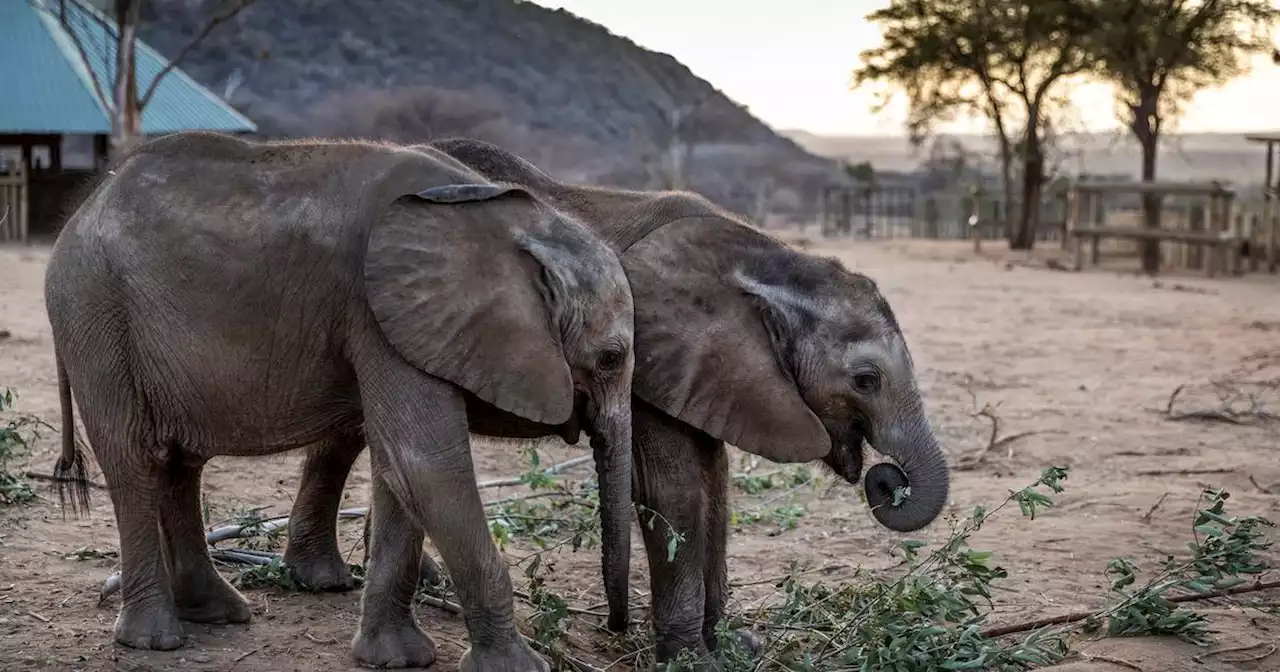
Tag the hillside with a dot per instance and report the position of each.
(573, 97)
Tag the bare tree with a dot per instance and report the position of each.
(119, 23)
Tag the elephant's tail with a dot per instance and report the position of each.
(70, 469)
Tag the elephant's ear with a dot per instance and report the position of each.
(464, 280)
(705, 352)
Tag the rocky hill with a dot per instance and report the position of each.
(573, 97)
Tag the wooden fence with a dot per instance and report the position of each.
(905, 212)
(13, 204)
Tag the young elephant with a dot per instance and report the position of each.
(739, 339)
(218, 297)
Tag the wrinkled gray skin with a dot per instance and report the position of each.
(739, 339)
(218, 297)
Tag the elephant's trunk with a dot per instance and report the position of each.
(611, 445)
(923, 468)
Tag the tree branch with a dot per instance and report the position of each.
(209, 27)
(1001, 631)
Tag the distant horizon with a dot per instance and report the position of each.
(791, 65)
(979, 134)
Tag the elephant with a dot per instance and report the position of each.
(740, 339)
(219, 296)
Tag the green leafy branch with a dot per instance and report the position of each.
(17, 432)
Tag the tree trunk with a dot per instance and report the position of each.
(1150, 249)
(126, 118)
(1032, 178)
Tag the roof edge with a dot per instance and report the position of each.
(67, 47)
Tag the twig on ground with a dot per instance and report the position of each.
(524, 595)
(1113, 661)
(246, 654)
(1185, 472)
(1003, 630)
(994, 440)
(1146, 517)
(1229, 392)
(317, 640)
(1272, 489)
(1271, 648)
(778, 579)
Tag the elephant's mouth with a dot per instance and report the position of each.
(571, 431)
(846, 455)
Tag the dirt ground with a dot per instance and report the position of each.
(1085, 360)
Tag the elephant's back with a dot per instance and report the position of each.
(216, 284)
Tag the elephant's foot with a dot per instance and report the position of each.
(517, 657)
(393, 646)
(429, 571)
(215, 602)
(742, 640)
(148, 625)
(321, 572)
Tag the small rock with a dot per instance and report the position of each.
(201, 658)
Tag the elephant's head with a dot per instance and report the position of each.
(783, 354)
(479, 284)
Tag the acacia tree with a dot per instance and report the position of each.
(118, 22)
(1158, 53)
(1004, 60)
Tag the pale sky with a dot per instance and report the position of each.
(790, 61)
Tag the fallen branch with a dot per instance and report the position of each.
(549, 471)
(38, 476)
(1256, 586)
(272, 524)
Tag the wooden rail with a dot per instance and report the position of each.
(1223, 248)
(13, 205)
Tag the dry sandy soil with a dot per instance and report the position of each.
(1086, 360)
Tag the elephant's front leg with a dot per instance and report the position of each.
(388, 635)
(669, 484)
(713, 463)
(417, 428)
(313, 552)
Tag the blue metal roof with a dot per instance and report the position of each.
(46, 88)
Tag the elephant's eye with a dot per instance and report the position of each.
(610, 359)
(866, 382)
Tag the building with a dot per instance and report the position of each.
(53, 126)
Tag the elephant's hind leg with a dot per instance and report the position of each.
(313, 552)
(148, 617)
(200, 593)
